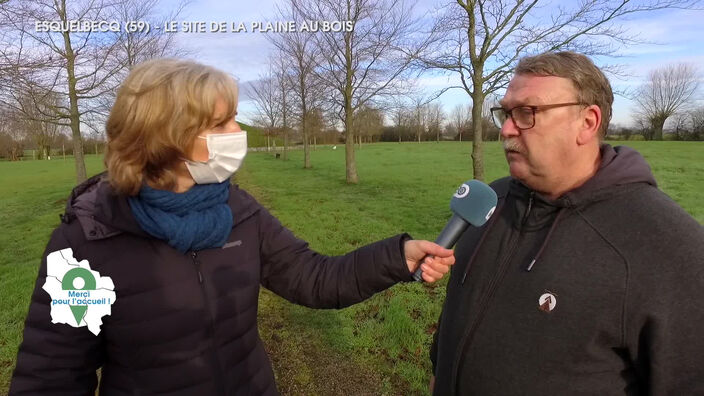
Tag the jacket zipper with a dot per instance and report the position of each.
(503, 267)
(219, 384)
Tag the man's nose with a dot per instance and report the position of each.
(508, 129)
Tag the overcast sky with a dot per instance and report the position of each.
(679, 35)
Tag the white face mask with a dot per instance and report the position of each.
(226, 152)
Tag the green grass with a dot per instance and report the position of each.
(404, 188)
(33, 194)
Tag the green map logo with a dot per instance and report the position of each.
(88, 281)
(79, 296)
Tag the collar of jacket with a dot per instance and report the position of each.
(103, 213)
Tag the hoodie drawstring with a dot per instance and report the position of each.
(547, 238)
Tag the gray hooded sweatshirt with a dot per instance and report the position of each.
(599, 292)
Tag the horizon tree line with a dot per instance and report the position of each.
(326, 81)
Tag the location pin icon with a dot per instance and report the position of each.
(78, 279)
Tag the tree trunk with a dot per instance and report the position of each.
(304, 116)
(306, 150)
(477, 145)
(350, 165)
(73, 104)
(76, 127)
(285, 138)
(284, 114)
(658, 124)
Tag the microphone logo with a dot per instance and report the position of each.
(491, 212)
(462, 191)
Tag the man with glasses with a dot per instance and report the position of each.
(587, 279)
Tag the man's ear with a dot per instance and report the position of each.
(590, 123)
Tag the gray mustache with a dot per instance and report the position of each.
(512, 145)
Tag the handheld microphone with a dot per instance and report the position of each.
(473, 203)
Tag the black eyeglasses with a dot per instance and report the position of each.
(524, 116)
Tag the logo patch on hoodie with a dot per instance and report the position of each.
(547, 302)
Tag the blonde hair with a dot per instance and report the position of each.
(160, 108)
(591, 84)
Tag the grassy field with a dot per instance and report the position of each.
(404, 188)
(407, 188)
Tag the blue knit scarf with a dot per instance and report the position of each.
(199, 218)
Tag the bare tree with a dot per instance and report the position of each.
(362, 58)
(368, 123)
(399, 116)
(461, 119)
(75, 67)
(11, 134)
(643, 126)
(135, 46)
(297, 48)
(481, 40)
(680, 127)
(265, 94)
(139, 45)
(283, 80)
(41, 132)
(688, 125)
(665, 92)
(697, 123)
(315, 124)
(436, 116)
(79, 65)
(419, 116)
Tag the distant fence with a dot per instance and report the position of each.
(57, 155)
(278, 149)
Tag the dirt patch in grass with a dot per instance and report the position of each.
(303, 365)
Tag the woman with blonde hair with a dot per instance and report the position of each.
(186, 253)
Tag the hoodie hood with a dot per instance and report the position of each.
(620, 166)
(103, 213)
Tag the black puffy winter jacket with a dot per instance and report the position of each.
(183, 324)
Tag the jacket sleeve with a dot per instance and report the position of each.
(297, 273)
(665, 315)
(54, 359)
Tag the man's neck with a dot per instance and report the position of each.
(577, 177)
